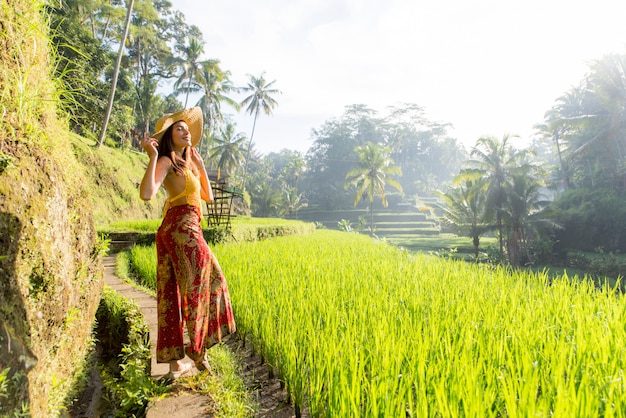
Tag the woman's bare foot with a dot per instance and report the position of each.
(176, 365)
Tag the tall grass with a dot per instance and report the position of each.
(358, 328)
(224, 385)
(143, 225)
(143, 262)
(25, 86)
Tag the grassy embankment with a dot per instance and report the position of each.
(49, 253)
(113, 176)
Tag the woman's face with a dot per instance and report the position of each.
(181, 137)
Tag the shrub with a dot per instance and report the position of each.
(127, 376)
(591, 218)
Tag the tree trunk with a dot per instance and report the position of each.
(513, 247)
(245, 170)
(116, 72)
(476, 242)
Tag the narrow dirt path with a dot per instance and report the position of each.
(271, 399)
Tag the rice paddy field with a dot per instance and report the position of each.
(358, 328)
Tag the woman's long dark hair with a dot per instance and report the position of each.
(166, 149)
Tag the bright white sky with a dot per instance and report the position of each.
(488, 67)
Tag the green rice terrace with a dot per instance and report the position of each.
(387, 222)
(406, 226)
(382, 331)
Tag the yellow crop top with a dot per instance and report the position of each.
(192, 191)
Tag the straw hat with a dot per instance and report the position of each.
(192, 116)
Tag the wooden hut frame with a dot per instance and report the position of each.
(219, 211)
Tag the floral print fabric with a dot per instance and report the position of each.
(191, 289)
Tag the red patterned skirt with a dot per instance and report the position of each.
(191, 289)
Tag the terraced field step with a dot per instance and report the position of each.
(395, 232)
(353, 216)
(405, 225)
(397, 229)
(399, 217)
(392, 231)
(392, 224)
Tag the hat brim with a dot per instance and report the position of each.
(193, 118)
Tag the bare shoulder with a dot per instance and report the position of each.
(164, 162)
(163, 169)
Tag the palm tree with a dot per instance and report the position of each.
(553, 130)
(293, 170)
(371, 174)
(290, 202)
(116, 72)
(228, 150)
(191, 65)
(524, 201)
(592, 117)
(566, 124)
(265, 199)
(215, 84)
(259, 99)
(465, 207)
(493, 160)
(607, 81)
(454, 153)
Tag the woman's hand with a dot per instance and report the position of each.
(150, 145)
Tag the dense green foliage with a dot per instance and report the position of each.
(423, 150)
(587, 127)
(592, 218)
(87, 34)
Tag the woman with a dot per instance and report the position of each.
(191, 288)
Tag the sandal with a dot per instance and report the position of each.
(173, 375)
